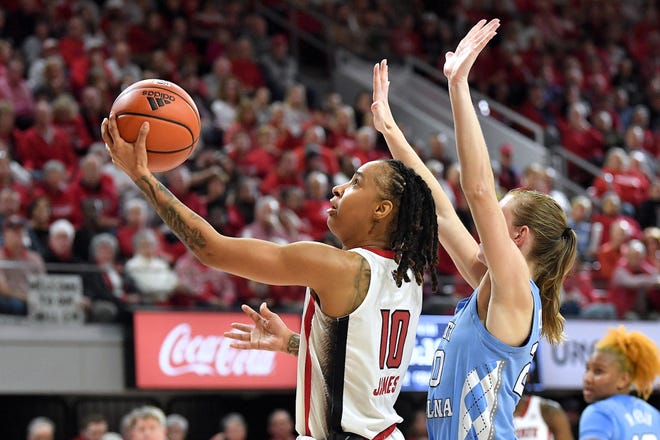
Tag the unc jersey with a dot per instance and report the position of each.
(350, 369)
(620, 417)
(530, 424)
(476, 379)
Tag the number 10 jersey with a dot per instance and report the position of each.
(350, 369)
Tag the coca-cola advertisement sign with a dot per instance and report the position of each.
(187, 350)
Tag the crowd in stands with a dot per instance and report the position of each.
(150, 422)
(273, 146)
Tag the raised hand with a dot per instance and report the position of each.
(458, 63)
(380, 107)
(268, 332)
(129, 157)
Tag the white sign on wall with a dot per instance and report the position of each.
(56, 299)
(562, 366)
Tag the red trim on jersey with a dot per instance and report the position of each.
(382, 252)
(309, 313)
(384, 434)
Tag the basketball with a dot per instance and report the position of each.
(174, 123)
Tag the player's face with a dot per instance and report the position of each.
(354, 201)
(603, 377)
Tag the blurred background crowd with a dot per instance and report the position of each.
(276, 137)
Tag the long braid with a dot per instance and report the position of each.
(415, 234)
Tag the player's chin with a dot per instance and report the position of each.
(588, 396)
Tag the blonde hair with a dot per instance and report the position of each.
(554, 251)
(636, 354)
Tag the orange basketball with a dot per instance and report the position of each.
(174, 123)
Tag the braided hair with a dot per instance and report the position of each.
(414, 238)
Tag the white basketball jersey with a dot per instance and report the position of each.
(530, 424)
(350, 369)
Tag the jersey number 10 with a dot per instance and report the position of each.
(393, 332)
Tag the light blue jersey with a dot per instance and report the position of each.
(620, 417)
(477, 380)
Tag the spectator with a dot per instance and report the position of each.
(39, 219)
(580, 298)
(41, 428)
(280, 425)
(651, 240)
(148, 423)
(92, 184)
(35, 67)
(509, 176)
(120, 65)
(90, 226)
(634, 283)
(135, 219)
(10, 135)
(279, 67)
(44, 141)
(647, 212)
(245, 121)
(17, 264)
(611, 211)
(224, 106)
(610, 252)
(219, 74)
(617, 177)
(580, 138)
(106, 283)
(66, 116)
(244, 65)
(92, 110)
(233, 427)
(580, 221)
(202, 286)
(365, 146)
(15, 89)
(296, 111)
(316, 204)
(55, 187)
(10, 204)
(286, 173)
(151, 276)
(177, 427)
(314, 154)
(54, 80)
(93, 427)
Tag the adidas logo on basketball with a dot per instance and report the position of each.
(157, 99)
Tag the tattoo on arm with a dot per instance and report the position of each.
(362, 281)
(170, 210)
(294, 344)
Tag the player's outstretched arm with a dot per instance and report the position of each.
(453, 235)
(300, 264)
(268, 332)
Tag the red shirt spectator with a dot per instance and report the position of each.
(55, 188)
(72, 45)
(202, 285)
(93, 184)
(244, 67)
(44, 141)
(285, 174)
(633, 281)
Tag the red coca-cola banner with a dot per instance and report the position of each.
(187, 350)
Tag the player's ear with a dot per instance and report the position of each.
(383, 209)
